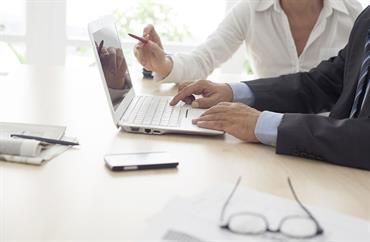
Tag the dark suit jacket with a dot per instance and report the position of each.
(329, 87)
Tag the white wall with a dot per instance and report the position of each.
(46, 32)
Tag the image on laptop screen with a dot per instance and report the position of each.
(113, 64)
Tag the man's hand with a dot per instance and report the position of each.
(212, 93)
(237, 119)
(151, 55)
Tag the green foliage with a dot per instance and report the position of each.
(151, 12)
(21, 57)
(247, 67)
(82, 50)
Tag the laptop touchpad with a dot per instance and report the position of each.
(196, 112)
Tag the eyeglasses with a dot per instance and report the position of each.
(249, 223)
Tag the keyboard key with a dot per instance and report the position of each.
(149, 110)
(158, 114)
(136, 110)
(143, 109)
(174, 119)
(130, 109)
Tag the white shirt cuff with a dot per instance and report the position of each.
(175, 72)
(267, 127)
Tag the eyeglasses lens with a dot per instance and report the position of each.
(298, 227)
(247, 224)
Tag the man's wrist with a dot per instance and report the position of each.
(229, 94)
(266, 130)
(255, 121)
(242, 93)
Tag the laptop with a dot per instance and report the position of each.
(135, 113)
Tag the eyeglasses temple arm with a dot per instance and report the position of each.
(222, 215)
(303, 206)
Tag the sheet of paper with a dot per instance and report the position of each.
(199, 218)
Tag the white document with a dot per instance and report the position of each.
(198, 219)
(29, 151)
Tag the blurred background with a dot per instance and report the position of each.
(55, 31)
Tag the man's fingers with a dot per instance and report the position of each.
(224, 104)
(184, 84)
(217, 125)
(211, 117)
(204, 102)
(189, 100)
(216, 109)
(186, 92)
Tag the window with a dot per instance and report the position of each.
(171, 19)
(12, 18)
(364, 3)
(55, 31)
(12, 34)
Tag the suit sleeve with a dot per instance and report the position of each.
(342, 142)
(307, 92)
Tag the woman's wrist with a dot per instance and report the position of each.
(167, 67)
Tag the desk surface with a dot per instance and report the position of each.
(75, 197)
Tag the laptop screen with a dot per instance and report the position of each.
(113, 64)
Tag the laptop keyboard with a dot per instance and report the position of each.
(152, 110)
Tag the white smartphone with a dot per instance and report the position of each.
(139, 161)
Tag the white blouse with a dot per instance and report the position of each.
(263, 27)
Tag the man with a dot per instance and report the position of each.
(339, 85)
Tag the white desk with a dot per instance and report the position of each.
(75, 197)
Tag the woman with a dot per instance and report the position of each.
(280, 36)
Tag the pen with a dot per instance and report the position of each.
(46, 140)
(141, 39)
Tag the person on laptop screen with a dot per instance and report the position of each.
(113, 64)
